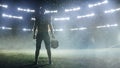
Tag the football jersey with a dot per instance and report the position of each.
(42, 23)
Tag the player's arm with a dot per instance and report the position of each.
(51, 30)
(34, 29)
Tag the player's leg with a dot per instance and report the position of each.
(49, 54)
(47, 45)
(38, 47)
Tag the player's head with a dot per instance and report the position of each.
(41, 10)
(38, 12)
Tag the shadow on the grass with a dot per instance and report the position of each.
(34, 66)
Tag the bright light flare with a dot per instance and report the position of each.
(98, 4)
(62, 19)
(10, 16)
(112, 10)
(25, 29)
(76, 29)
(25, 10)
(58, 29)
(5, 28)
(50, 11)
(33, 19)
(72, 9)
(107, 26)
(3, 5)
(88, 15)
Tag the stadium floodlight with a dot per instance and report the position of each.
(72, 9)
(88, 15)
(25, 29)
(32, 10)
(25, 10)
(58, 29)
(8, 28)
(107, 26)
(83, 28)
(5, 28)
(50, 11)
(112, 10)
(19, 9)
(97, 4)
(75, 29)
(10, 16)
(62, 19)
(4, 15)
(33, 19)
(4, 6)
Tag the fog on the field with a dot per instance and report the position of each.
(88, 39)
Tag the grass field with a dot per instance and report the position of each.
(102, 58)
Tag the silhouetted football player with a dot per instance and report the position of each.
(41, 26)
